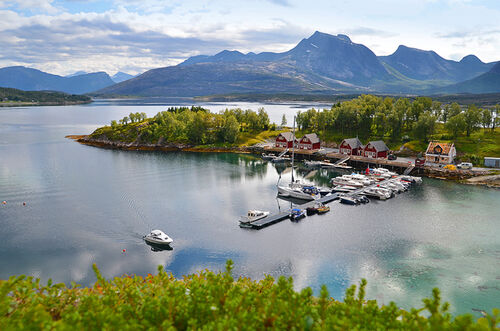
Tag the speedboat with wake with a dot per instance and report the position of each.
(158, 237)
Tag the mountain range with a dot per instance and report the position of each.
(320, 64)
(80, 82)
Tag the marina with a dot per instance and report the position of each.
(438, 234)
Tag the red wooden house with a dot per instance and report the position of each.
(285, 140)
(310, 141)
(351, 146)
(376, 149)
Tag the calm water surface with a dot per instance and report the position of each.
(85, 205)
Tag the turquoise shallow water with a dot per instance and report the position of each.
(85, 205)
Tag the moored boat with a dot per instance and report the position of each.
(297, 214)
(253, 215)
(349, 200)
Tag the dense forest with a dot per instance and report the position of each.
(412, 122)
(193, 125)
(11, 95)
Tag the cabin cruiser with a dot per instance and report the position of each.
(253, 215)
(158, 237)
(299, 191)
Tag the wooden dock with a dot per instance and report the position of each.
(273, 219)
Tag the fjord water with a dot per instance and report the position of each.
(84, 205)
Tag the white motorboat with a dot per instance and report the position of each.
(254, 215)
(312, 164)
(342, 180)
(345, 188)
(383, 172)
(158, 237)
(280, 159)
(268, 157)
(299, 191)
(341, 166)
(362, 178)
(374, 192)
(386, 190)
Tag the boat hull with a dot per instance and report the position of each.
(284, 191)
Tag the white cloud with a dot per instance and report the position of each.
(138, 35)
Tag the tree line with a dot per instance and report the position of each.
(194, 125)
(396, 118)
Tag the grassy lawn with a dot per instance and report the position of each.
(252, 138)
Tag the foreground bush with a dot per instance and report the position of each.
(210, 301)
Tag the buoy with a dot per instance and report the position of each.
(124, 250)
(5, 202)
(24, 203)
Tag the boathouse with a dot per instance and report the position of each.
(439, 153)
(310, 141)
(375, 149)
(351, 146)
(285, 140)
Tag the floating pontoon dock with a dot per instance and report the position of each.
(272, 219)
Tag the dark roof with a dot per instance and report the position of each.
(287, 135)
(379, 145)
(353, 142)
(313, 137)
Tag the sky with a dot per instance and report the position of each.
(133, 36)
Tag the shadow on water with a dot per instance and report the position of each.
(159, 248)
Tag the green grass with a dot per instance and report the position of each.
(212, 301)
(252, 138)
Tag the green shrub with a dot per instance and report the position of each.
(212, 301)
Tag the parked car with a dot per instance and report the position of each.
(391, 157)
(465, 165)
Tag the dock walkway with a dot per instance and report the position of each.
(273, 219)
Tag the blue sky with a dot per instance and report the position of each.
(136, 35)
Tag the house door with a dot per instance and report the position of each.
(436, 159)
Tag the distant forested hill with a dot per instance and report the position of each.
(11, 96)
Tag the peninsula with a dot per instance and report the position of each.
(10, 97)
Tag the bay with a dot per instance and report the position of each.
(85, 205)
